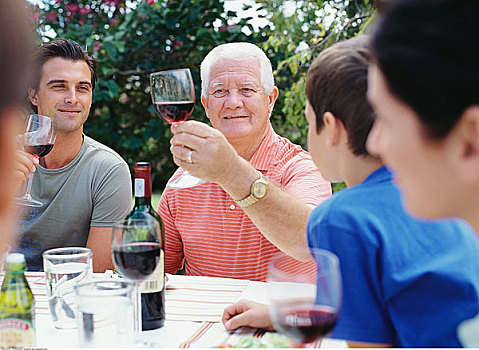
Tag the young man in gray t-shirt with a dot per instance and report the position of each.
(83, 185)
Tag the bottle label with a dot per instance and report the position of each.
(139, 187)
(15, 333)
(156, 281)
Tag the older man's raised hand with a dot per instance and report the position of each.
(212, 157)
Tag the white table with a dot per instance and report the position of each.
(174, 334)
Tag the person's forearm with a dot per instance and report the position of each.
(280, 217)
(99, 241)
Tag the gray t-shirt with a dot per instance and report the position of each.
(94, 189)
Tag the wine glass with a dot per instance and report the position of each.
(136, 253)
(173, 95)
(305, 297)
(38, 140)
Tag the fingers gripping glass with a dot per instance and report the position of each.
(173, 95)
(38, 139)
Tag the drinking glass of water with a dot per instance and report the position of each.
(105, 313)
(64, 268)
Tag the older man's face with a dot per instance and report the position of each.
(236, 103)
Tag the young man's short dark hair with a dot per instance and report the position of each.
(64, 48)
(337, 75)
(428, 51)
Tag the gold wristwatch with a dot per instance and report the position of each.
(258, 191)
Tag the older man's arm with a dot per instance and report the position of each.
(281, 217)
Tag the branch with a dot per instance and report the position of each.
(325, 40)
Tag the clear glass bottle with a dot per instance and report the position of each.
(17, 306)
(153, 289)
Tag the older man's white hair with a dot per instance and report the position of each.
(239, 50)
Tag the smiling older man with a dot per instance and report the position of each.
(261, 187)
(84, 186)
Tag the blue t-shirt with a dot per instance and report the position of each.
(406, 282)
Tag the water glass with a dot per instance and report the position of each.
(64, 268)
(105, 313)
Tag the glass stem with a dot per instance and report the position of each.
(29, 187)
(137, 312)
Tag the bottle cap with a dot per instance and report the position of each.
(15, 258)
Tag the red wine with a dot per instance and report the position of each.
(308, 325)
(174, 112)
(152, 289)
(39, 150)
(136, 261)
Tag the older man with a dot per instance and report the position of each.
(261, 187)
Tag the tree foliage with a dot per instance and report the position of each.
(131, 39)
(298, 32)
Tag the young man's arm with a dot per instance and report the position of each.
(99, 241)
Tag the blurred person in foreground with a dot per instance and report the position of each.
(402, 277)
(220, 228)
(424, 87)
(85, 186)
(15, 41)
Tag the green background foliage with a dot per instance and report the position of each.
(133, 38)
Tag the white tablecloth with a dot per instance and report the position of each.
(175, 333)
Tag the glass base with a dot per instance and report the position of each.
(186, 180)
(28, 201)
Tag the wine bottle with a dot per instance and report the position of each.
(17, 306)
(153, 288)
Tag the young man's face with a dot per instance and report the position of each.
(423, 167)
(64, 93)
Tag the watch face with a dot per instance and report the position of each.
(259, 190)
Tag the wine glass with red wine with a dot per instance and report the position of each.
(173, 95)
(136, 250)
(38, 140)
(305, 299)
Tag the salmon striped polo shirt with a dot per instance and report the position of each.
(207, 230)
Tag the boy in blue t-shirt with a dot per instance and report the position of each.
(406, 283)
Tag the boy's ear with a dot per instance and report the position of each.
(334, 129)
(467, 135)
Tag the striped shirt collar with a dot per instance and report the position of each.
(266, 151)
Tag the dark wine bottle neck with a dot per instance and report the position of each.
(142, 201)
(142, 185)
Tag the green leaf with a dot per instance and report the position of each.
(111, 50)
(171, 22)
(113, 88)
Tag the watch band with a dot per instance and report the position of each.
(251, 199)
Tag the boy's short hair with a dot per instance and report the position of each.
(337, 83)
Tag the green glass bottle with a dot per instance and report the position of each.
(17, 306)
